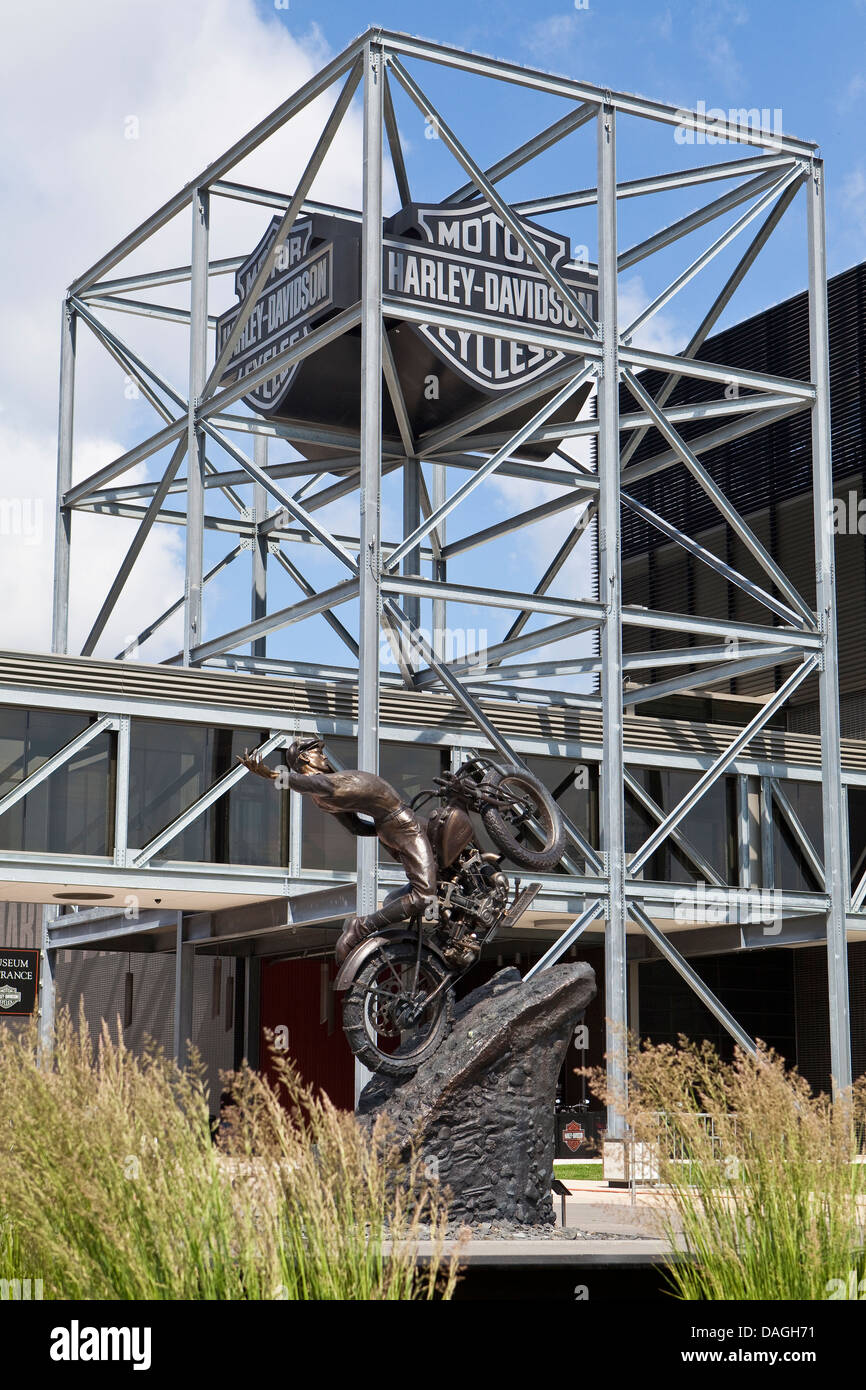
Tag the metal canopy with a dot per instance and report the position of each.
(198, 420)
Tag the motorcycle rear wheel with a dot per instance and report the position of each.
(379, 990)
(505, 834)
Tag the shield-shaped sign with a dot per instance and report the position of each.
(9, 997)
(298, 292)
(573, 1136)
(464, 257)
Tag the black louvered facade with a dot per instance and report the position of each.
(767, 476)
(774, 463)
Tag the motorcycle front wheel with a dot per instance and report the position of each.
(528, 829)
(380, 1004)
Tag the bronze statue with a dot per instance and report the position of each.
(399, 965)
(395, 824)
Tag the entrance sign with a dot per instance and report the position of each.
(19, 977)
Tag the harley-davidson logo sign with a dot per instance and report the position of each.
(19, 974)
(460, 257)
(298, 289)
(470, 260)
(573, 1136)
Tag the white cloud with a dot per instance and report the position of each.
(75, 81)
(561, 40)
(100, 543)
(713, 30)
(851, 94)
(662, 333)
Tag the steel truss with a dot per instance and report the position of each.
(385, 575)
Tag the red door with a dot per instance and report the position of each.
(297, 995)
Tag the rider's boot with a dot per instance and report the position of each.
(357, 929)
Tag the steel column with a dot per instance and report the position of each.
(371, 456)
(828, 672)
(184, 980)
(195, 434)
(63, 521)
(259, 594)
(47, 983)
(440, 565)
(610, 594)
(411, 563)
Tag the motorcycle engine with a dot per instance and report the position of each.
(472, 898)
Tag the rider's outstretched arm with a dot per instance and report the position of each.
(319, 784)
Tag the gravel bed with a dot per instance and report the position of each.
(487, 1230)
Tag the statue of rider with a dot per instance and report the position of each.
(345, 795)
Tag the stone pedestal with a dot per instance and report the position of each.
(481, 1110)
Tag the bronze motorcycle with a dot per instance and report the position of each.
(399, 982)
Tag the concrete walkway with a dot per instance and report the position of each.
(592, 1206)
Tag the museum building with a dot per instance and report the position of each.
(253, 973)
(154, 882)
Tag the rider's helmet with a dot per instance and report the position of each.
(307, 755)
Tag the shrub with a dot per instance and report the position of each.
(113, 1186)
(760, 1191)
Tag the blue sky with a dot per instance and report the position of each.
(807, 61)
(74, 81)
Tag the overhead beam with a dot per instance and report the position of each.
(625, 102)
(684, 226)
(296, 613)
(488, 191)
(698, 264)
(654, 183)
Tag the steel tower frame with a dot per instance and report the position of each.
(384, 575)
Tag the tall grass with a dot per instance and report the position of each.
(765, 1203)
(112, 1187)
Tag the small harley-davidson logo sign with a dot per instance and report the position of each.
(573, 1136)
(9, 997)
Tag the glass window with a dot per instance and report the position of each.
(255, 814)
(857, 832)
(409, 767)
(575, 788)
(172, 765)
(791, 867)
(325, 844)
(69, 813)
(708, 826)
